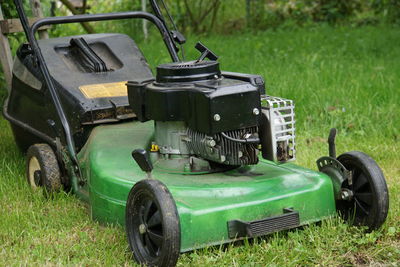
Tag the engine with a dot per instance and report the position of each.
(226, 148)
(221, 117)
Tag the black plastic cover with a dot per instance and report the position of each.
(254, 79)
(209, 107)
(29, 100)
(142, 159)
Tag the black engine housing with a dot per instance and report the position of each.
(200, 95)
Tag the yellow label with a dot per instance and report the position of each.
(104, 90)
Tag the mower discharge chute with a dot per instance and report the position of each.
(216, 148)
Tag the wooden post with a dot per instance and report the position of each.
(5, 56)
(248, 12)
(88, 28)
(8, 26)
(145, 31)
(37, 12)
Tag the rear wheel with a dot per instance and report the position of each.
(42, 170)
(152, 224)
(366, 199)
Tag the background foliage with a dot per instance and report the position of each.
(222, 16)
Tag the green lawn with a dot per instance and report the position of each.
(347, 78)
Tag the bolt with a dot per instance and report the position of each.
(217, 117)
(211, 143)
(142, 228)
(256, 111)
(247, 135)
(346, 194)
(222, 158)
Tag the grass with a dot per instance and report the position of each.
(339, 77)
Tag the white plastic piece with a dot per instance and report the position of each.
(280, 113)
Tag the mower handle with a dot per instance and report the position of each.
(109, 16)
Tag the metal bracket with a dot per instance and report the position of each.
(336, 171)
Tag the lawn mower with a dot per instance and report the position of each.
(187, 158)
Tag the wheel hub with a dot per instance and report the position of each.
(37, 176)
(346, 194)
(34, 172)
(142, 228)
(151, 228)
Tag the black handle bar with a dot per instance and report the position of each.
(110, 16)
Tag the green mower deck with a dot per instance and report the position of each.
(205, 202)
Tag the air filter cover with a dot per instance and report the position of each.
(189, 71)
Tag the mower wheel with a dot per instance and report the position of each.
(368, 200)
(152, 224)
(42, 168)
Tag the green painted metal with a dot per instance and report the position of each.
(205, 202)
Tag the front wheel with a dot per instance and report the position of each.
(368, 200)
(152, 224)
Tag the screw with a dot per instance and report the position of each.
(256, 111)
(217, 117)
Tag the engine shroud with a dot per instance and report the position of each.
(210, 105)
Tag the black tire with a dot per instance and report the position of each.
(370, 202)
(152, 224)
(42, 168)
